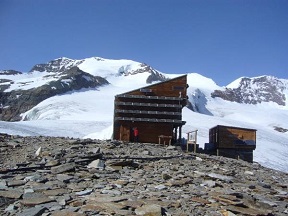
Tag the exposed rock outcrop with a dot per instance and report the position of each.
(153, 77)
(7, 82)
(57, 65)
(255, 90)
(9, 72)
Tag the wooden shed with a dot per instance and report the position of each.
(234, 142)
(156, 111)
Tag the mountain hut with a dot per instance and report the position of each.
(154, 112)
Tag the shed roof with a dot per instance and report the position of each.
(233, 127)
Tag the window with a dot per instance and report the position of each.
(145, 90)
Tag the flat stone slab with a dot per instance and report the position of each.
(67, 213)
(32, 199)
(13, 194)
(56, 192)
(37, 211)
(153, 210)
(3, 185)
(63, 168)
(16, 183)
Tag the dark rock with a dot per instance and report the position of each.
(64, 177)
(264, 185)
(57, 65)
(56, 192)
(33, 199)
(36, 211)
(63, 168)
(10, 72)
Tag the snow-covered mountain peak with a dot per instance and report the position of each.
(235, 83)
(56, 65)
(109, 69)
(258, 81)
(104, 67)
(255, 90)
(99, 58)
(97, 66)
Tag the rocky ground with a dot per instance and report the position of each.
(92, 177)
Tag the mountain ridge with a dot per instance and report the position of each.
(247, 90)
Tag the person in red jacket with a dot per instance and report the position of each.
(136, 134)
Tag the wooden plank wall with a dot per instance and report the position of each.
(228, 137)
(167, 88)
(231, 137)
(148, 132)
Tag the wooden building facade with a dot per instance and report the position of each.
(155, 110)
(233, 142)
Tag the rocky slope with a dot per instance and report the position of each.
(92, 177)
(56, 65)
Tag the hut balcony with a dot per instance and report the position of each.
(150, 100)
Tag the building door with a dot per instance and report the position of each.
(125, 133)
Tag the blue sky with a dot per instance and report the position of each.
(219, 39)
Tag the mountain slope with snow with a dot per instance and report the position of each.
(44, 73)
(22, 91)
(88, 112)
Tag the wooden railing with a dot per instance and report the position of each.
(147, 112)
